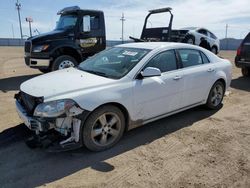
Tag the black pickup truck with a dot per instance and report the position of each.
(242, 59)
(78, 34)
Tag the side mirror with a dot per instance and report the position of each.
(150, 72)
(86, 23)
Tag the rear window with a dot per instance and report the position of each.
(247, 38)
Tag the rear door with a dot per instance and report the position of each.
(198, 74)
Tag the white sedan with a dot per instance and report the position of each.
(119, 89)
(202, 37)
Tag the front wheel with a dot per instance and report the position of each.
(104, 128)
(190, 39)
(214, 50)
(216, 95)
(63, 62)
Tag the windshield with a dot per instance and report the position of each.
(113, 63)
(66, 22)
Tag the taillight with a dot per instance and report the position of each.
(239, 50)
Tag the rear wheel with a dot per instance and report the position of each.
(63, 62)
(245, 71)
(104, 128)
(216, 95)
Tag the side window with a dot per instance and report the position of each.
(202, 31)
(204, 58)
(190, 57)
(165, 61)
(94, 22)
(212, 35)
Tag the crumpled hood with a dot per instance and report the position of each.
(63, 82)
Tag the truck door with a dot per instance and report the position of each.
(91, 38)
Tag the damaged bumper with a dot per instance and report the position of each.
(32, 123)
(55, 134)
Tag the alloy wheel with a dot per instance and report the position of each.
(217, 95)
(106, 129)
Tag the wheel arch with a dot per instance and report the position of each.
(190, 35)
(120, 107)
(67, 50)
(216, 47)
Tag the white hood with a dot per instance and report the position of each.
(62, 82)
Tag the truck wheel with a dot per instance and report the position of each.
(189, 39)
(215, 96)
(63, 62)
(245, 71)
(103, 128)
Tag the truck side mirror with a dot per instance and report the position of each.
(86, 23)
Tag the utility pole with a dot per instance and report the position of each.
(18, 7)
(29, 19)
(226, 37)
(123, 20)
(13, 34)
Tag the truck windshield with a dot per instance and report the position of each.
(114, 62)
(66, 22)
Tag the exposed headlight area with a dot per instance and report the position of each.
(63, 116)
(55, 108)
(40, 48)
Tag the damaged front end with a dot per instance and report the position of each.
(56, 124)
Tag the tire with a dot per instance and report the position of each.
(214, 50)
(214, 101)
(245, 72)
(189, 39)
(103, 128)
(44, 70)
(63, 61)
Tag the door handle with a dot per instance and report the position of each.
(177, 78)
(210, 70)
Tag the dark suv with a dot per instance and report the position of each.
(242, 59)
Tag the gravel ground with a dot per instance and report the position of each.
(195, 148)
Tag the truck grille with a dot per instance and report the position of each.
(27, 46)
(28, 102)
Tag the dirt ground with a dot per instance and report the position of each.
(195, 148)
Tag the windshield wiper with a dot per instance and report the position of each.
(96, 72)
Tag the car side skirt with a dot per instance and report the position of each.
(138, 123)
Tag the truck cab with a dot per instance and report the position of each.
(78, 34)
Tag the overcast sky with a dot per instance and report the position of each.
(211, 14)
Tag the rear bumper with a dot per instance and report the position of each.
(242, 64)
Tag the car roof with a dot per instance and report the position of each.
(156, 45)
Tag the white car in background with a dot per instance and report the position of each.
(119, 89)
(195, 35)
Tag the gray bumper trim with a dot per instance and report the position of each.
(30, 122)
(39, 62)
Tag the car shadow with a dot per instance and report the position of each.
(242, 83)
(13, 83)
(41, 167)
